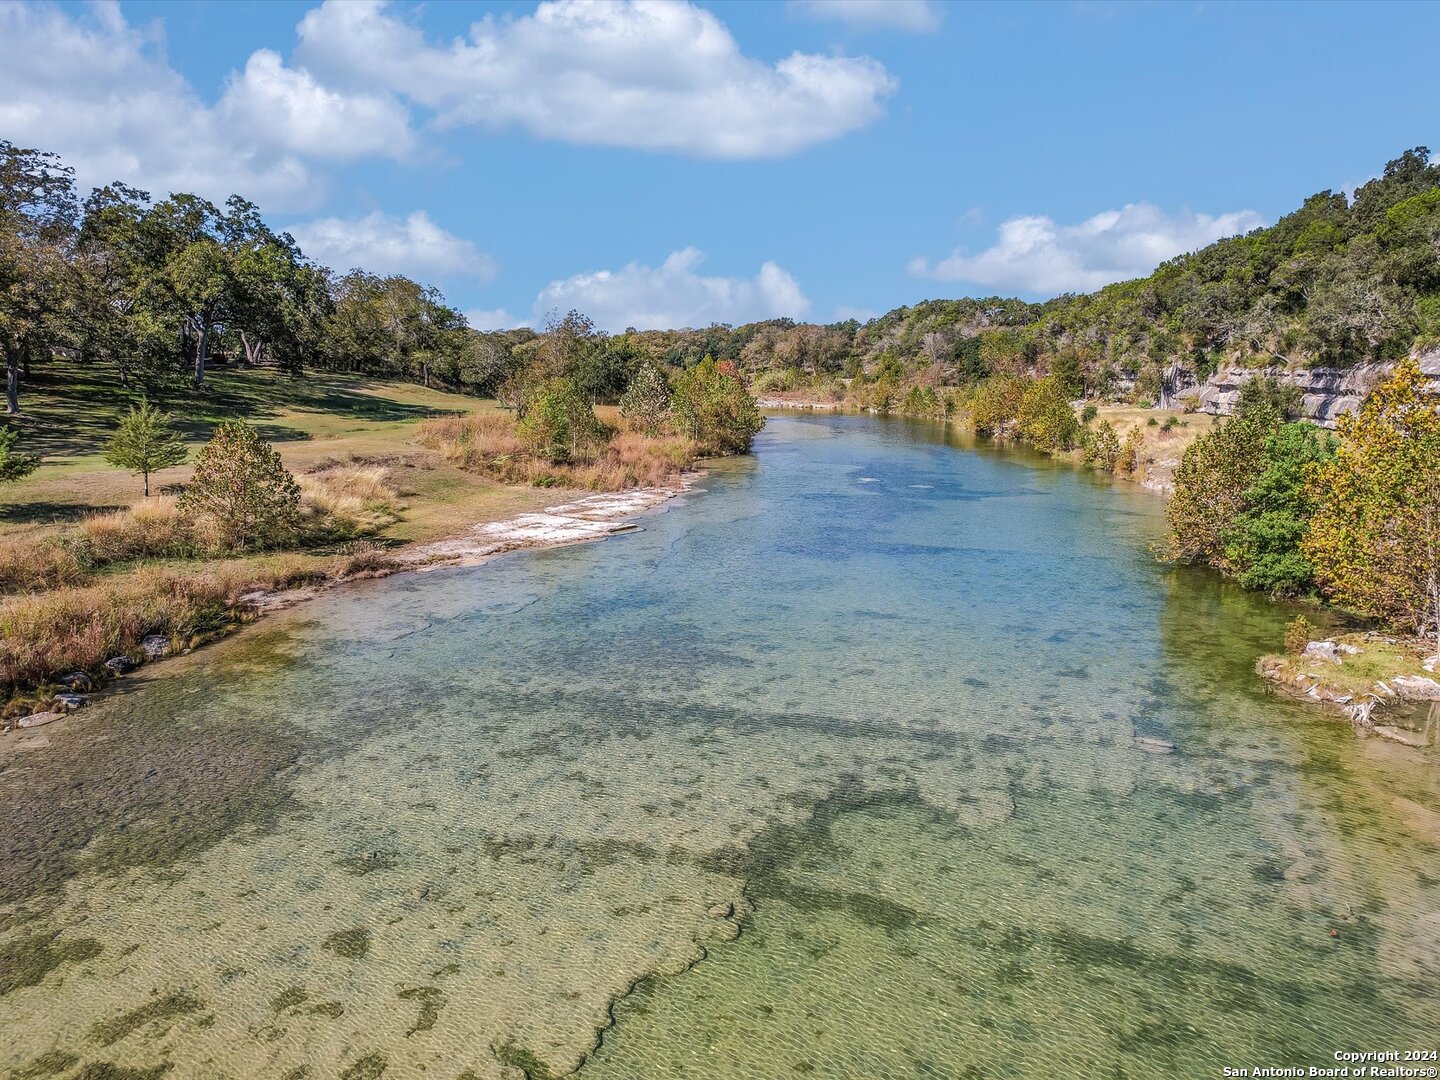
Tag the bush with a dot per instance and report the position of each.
(715, 410)
(646, 402)
(559, 421)
(1045, 419)
(1102, 450)
(1089, 413)
(1299, 632)
(996, 403)
(242, 497)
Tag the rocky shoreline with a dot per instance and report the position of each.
(1318, 675)
(589, 518)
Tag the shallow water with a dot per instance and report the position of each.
(874, 692)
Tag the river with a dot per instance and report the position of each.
(829, 771)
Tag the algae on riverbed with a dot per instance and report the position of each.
(897, 716)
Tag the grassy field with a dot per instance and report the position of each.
(68, 414)
(1163, 449)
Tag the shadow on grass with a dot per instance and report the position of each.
(70, 409)
(49, 513)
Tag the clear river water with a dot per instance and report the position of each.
(830, 771)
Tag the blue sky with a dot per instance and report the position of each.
(670, 163)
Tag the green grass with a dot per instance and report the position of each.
(69, 411)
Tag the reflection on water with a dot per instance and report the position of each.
(829, 771)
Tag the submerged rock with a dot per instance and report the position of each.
(121, 665)
(1153, 746)
(722, 911)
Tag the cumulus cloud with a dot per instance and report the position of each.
(101, 93)
(674, 295)
(916, 16)
(412, 245)
(270, 102)
(659, 75)
(1035, 255)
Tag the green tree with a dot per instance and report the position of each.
(996, 403)
(1102, 450)
(1375, 538)
(242, 490)
(1262, 545)
(13, 464)
(1215, 473)
(37, 220)
(145, 443)
(715, 409)
(646, 402)
(1045, 419)
(559, 420)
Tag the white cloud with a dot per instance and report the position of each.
(659, 75)
(1035, 255)
(100, 92)
(673, 295)
(413, 245)
(493, 319)
(269, 102)
(916, 16)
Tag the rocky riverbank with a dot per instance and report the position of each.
(593, 517)
(1377, 682)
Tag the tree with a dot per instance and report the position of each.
(37, 221)
(559, 420)
(13, 464)
(1215, 472)
(1262, 546)
(1045, 419)
(242, 489)
(1375, 537)
(646, 401)
(145, 443)
(716, 409)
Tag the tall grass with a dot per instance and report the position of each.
(491, 445)
(150, 529)
(347, 501)
(47, 635)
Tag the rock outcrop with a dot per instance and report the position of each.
(1327, 392)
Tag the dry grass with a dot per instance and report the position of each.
(346, 501)
(152, 528)
(490, 445)
(70, 629)
(35, 565)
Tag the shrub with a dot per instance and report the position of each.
(559, 421)
(646, 401)
(1088, 414)
(996, 403)
(921, 401)
(715, 410)
(1103, 449)
(241, 495)
(1299, 632)
(1130, 454)
(13, 464)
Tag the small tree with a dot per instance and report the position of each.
(145, 443)
(559, 420)
(243, 489)
(13, 464)
(646, 402)
(716, 409)
(1045, 419)
(1375, 537)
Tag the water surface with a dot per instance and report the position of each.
(872, 692)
